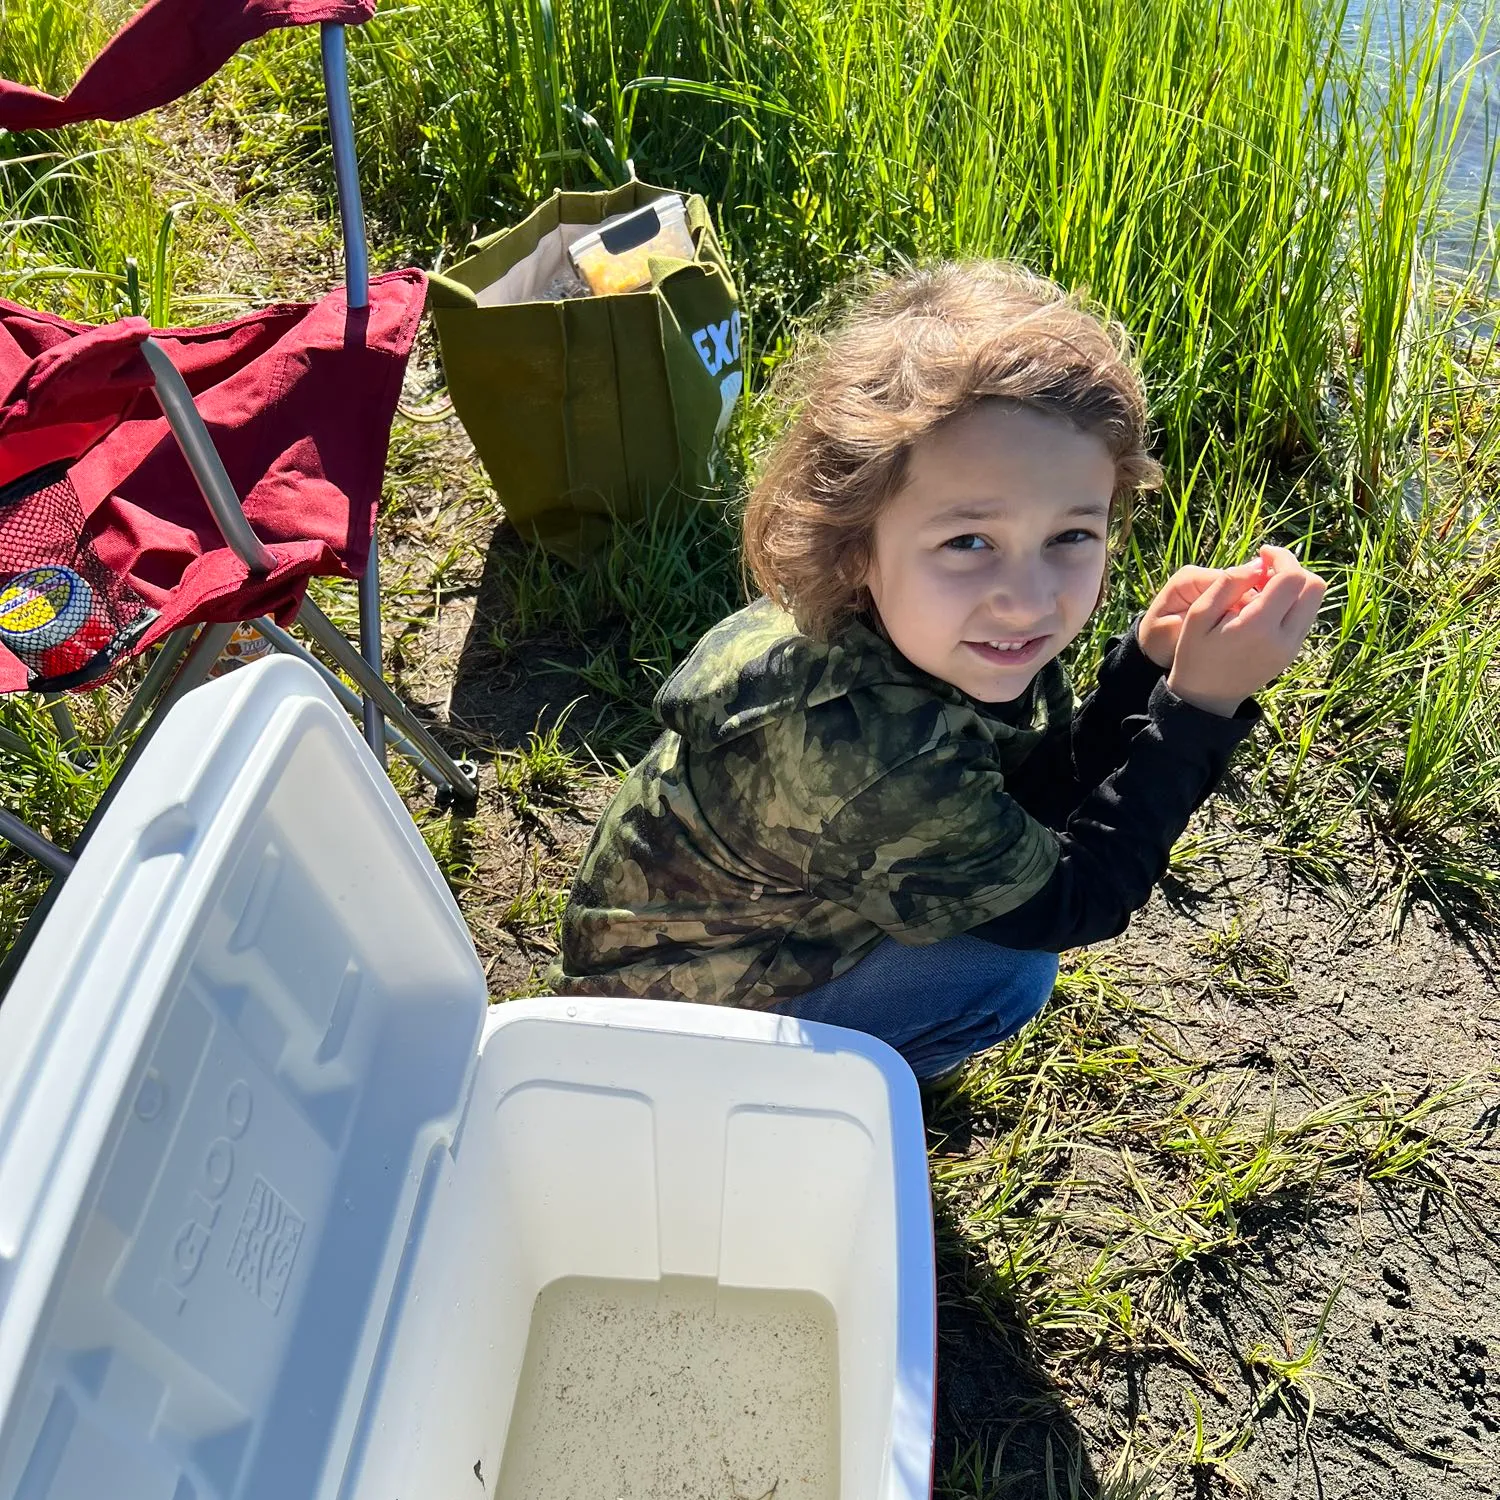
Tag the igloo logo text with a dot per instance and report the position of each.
(215, 1169)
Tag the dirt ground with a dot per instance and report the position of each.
(1320, 1002)
(1263, 983)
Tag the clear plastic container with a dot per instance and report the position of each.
(614, 257)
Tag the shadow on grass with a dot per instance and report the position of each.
(602, 637)
(508, 685)
(1003, 1429)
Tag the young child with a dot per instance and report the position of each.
(874, 802)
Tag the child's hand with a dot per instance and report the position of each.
(1161, 625)
(1234, 640)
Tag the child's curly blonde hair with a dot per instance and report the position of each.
(915, 351)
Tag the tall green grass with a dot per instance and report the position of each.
(1248, 188)
(1256, 191)
(79, 206)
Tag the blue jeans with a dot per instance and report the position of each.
(936, 1005)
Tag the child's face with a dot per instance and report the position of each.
(990, 558)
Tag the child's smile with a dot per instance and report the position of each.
(990, 558)
(1008, 653)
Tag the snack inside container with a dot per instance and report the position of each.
(614, 257)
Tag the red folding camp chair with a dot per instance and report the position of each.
(199, 478)
(170, 484)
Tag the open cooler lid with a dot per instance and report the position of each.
(229, 1070)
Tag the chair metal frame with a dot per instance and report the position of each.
(335, 60)
(186, 658)
(201, 652)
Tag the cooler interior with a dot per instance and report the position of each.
(635, 1152)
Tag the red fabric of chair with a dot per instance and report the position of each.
(298, 399)
(70, 395)
(163, 52)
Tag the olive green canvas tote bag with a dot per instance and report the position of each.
(589, 408)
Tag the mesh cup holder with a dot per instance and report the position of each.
(66, 616)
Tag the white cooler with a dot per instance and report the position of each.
(279, 1190)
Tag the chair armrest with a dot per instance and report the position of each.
(203, 459)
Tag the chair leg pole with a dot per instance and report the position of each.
(166, 661)
(371, 649)
(29, 841)
(203, 459)
(62, 718)
(291, 646)
(357, 289)
(333, 641)
(345, 166)
(15, 744)
(194, 671)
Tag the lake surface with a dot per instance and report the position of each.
(1473, 41)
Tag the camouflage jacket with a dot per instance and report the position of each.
(806, 800)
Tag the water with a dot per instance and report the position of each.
(674, 1390)
(1474, 21)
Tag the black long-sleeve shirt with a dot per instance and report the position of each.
(1118, 784)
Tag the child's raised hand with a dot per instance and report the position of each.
(1161, 625)
(1235, 639)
